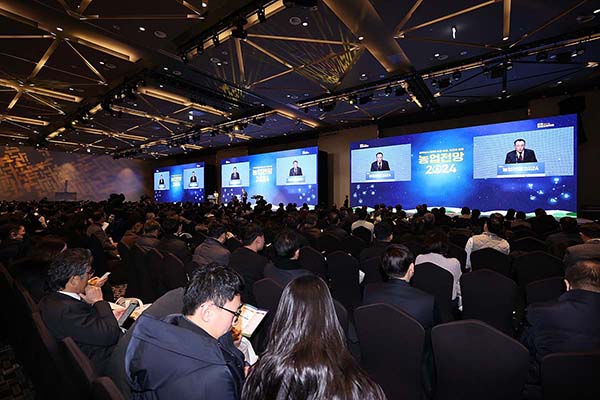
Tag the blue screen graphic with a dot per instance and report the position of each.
(179, 183)
(281, 177)
(480, 167)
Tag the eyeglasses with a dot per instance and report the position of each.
(90, 272)
(236, 314)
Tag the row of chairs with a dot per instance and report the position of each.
(472, 360)
(58, 369)
(152, 273)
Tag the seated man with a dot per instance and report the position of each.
(213, 249)
(384, 233)
(247, 262)
(398, 264)
(96, 230)
(590, 248)
(285, 267)
(190, 355)
(570, 323)
(172, 243)
(490, 237)
(76, 309)
(149, 240)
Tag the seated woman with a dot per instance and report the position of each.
(306, 357)
(436, 242)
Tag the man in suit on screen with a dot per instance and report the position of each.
(193, 178)
(380, 164)
(235, 174)
(295, 170)
(520, 154)
(161, 180)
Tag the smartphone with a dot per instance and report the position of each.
(127, 313)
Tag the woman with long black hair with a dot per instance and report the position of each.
(306, 357)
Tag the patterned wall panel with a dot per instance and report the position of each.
(30, 174)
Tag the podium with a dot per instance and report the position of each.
(521, 170)
(379, 175)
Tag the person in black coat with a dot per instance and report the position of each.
(380, 164)
(572, 322)
(77, 309)
(384, 233)
(190, 355)
(247, 262)
(520, 154)
(171, 243)
(285, 266)
(398, 264)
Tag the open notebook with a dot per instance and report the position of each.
(251, 318)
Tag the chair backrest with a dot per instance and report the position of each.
(174, 272)
(24, 300)
(353, 245)
(364, 234)
(493, 259)
(459, 238)
(155, 268)
(459, 253)
(343, 272)
(99, 260)
(438, 282)
(312, 260)
(124, 251)
(536, 265)
(391, 346)
(489, 297)
(327, 243)
(527, 244)
(139, 279)
(267, 293)
(81, 368)
(475, 361)
(342, 315)
(545, 290)
(521, 232)
(571, 376)
(372, 269)
(104, 388)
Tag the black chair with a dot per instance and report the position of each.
(489, 297)
(493, 259)
(124, 251)
(527, 244)
(571, 376)
(438, 282)
(372, 269)
(80, 367)
(343, 272)
(545, 290)
(155, 264)
(104, 388)
(267, 293)
(459, 238)
(99, 263)
(139, 278)
(536, 265)
(232, 243)
(391, 346)
(353, 245)
(327, 243)
(459, 253)
(174, 272)
(521, 232)
(475, 361)
(364, 234)
(342, 315)
(313, 261)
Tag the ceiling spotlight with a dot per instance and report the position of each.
(184, 58)
(260, 13)
(505, 38)
(453, 29)
(597, 11)
(361, 38)
(352, 99)
(400, 91)
(577, 52)
(88, 150)
(305, 23)
(456, 75)
(58, 28)
(434, 83)
(204, 4)
(541, 56)
(215, 40)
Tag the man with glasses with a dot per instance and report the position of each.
(74, 308)
(191, 354)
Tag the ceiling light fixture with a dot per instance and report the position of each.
(260, 13)
(453, 29)
(58, 28)
(597, 11)
(361, 38)
(305, 23)
(142, 29)
(352, 99)
(204, 4)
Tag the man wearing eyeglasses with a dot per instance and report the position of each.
(74, 308)
(190, 355)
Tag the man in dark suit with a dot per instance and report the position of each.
(295, 170)
(77, 309)
(590, 248)
(171, 243)
(572, 322)
(235, 175)
(568, 236)
(384, 233)
(213, 249)
(380, 164)
(247, 262)
(398, 264)
(161, 180)
(520, 154)
(285, 267)
(193, 178)
(149, 240)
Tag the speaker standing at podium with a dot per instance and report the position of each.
(520, 154)
(295, 170)
(380, 164)
(193, 178)
(235, 175)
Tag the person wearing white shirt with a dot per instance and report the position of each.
(489, 238)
